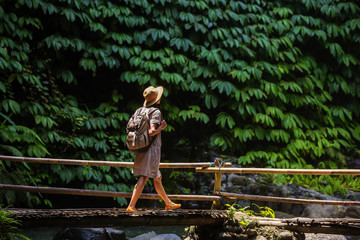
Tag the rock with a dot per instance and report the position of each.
(324, 211)
(193, 205)
(90, 234)
(241, 237)
(166, 237)
(284, 191)
(299, 235)
(279, 214)
(271, 191)
(285, 236)
(260, 238)
(253, 187)
(353, 196)
(235, 229)
(354, 163)
(225, 236)
(252, 224)
(251, 232)
(240, 215)
(313, 236)
(236, 179)
(352, 212)
(229, 185)
(145, 236)
(254, 184)
(286, 207)
(116, 234)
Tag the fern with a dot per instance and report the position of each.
(9, 226)
(10, 150)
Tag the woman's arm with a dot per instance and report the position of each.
(153, 130)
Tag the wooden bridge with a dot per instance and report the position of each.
(158, 217)
(114, 217)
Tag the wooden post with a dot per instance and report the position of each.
(217, 185)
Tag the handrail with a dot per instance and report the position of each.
(281, 171)
(287, 200)
(217, 197)
(102, 163)
(97, 193)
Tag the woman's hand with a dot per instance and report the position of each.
(155, 129)
(163, 124)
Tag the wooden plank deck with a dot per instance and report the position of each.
(111, 217)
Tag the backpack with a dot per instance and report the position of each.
(137, 129)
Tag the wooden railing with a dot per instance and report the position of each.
(218, 167)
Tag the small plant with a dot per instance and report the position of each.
(263, 211)
(244, 222)
(9, 227)
(232, 209)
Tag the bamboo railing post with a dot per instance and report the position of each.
(217, 185)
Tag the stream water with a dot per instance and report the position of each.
(48, 233)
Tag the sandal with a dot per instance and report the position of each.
(130, 209)
(172, 206)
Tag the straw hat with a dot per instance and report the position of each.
(152, 95)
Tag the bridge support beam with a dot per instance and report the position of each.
(217, 204)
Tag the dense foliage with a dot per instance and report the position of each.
(9, 226)
(275, 83)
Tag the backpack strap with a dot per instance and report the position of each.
(148, 111)
(152, 111)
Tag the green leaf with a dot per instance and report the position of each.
(69, 14)
(260, 133)
(196, 86)
(87, 64)
(223, 119)
(67, 76)
(242, 76)
(264, 119)
(353, 24)
(181, 43)
(109, 179)
(45, 121)
(275, 112)
(279, 135)
(289, 122)
(97, 27)
(171, 77)
(211, 101)
(223, 86)
(194, 113)
(243, 134)
(283, 12)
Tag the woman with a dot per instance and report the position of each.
(146, 163)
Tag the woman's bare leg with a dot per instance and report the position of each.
(139, 187)
(160, 190)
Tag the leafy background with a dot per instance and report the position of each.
(271, 83)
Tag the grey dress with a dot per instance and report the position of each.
(147, 163)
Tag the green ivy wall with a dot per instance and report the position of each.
(273, 83)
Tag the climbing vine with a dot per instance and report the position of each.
(275, 83)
